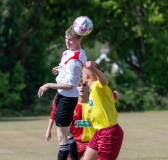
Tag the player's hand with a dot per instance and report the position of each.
(55, 70)
(42, 89)
(48, 134)
(89, 64)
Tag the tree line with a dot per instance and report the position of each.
(32, 39)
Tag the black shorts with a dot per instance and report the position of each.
(64, 110)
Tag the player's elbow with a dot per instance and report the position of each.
(70, 87)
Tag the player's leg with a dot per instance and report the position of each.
(64, 114)
(90, 154)
(62, 133)
(117, 138)
(73, 146)
(92, 149)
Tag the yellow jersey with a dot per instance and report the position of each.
(102, 108)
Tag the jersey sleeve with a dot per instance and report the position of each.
(100, 90)
(114, 94)
(52, 114)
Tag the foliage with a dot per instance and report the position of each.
(32, 40)
(134, 95)
(11, 84)
(139, 27)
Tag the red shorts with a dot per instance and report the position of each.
(107, 142)
(81, 147)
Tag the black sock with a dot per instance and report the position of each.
(73, 149)
(63, 152)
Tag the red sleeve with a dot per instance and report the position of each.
(52, 114)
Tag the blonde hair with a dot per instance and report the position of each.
(71, 33)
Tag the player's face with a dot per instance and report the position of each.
(82, 89)
(72, 43)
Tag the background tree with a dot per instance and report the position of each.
(32, 40)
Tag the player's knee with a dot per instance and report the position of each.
(62, 139)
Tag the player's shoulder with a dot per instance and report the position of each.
(83, 56)
(79, 105)
(97, 84)
(83, 51)
(65, 52)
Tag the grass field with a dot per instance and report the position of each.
(146, 137)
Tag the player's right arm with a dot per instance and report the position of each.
(46, 86)
(100, 76)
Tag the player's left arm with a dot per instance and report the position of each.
(48, 131)
(51, 120)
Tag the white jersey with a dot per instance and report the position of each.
(70, 71)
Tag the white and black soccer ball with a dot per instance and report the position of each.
(83, 25)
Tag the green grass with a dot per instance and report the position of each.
(146, 137)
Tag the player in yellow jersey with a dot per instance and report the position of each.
(107, 140)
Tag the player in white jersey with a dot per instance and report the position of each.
(69, 76)
(70, 71)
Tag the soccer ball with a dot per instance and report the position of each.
(83, 25)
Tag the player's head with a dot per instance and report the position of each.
(72, 39)
(88, 75)
(82, 89)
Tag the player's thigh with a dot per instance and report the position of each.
(62, 134)
(64, 110)
(90, 154)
